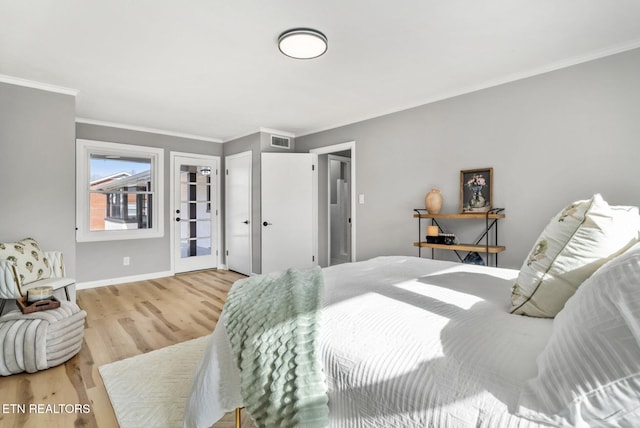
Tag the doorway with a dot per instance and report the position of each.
(195, 202)
(339, 215)
(343, 246)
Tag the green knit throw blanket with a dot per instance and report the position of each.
(272, 324)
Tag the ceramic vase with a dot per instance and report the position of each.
(433, 201)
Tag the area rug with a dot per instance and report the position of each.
(150, 390)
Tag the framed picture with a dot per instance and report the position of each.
(476, 190)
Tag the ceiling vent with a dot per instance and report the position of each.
(280, 142)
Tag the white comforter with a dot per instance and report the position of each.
(406, 342)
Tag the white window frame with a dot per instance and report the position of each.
(84, 150)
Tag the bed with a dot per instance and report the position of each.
(405, 342)
(412, 342)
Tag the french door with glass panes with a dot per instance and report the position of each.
(195, 212)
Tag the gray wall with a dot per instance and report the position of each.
(37, 169)
(103, 260)
(550, 139)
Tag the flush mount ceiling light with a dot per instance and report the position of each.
(302, 43)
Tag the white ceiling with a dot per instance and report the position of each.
(212, 68)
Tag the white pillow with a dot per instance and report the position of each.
(577, 241)
(589, 372)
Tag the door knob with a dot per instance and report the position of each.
(246, 222)
(264, 223)
(177, 218)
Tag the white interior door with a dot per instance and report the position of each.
(238, 212)
(289, 210)
(195, 212)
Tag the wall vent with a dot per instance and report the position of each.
(280, 142)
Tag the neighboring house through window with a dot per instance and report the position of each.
(119, 191)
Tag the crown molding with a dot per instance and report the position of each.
(86, 121)
(237, 137)
(277, 132)
(37, 85)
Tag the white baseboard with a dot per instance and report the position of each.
(122, 280)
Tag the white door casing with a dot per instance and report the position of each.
(238, 212)
(289, 211)
(195, 220)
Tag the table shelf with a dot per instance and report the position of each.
(482, 244)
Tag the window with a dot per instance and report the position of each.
(119, 191)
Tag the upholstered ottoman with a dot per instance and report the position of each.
(39, 340)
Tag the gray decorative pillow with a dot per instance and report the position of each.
(31, 264)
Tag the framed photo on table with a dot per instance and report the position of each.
(476, 190)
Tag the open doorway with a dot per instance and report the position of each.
(336, 225)
(339, 216)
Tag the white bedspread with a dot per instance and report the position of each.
(406, 342)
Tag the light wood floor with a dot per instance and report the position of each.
(122, 321)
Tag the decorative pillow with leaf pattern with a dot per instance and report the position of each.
(577, 241)
(31, 264)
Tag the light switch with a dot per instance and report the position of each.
(361, 198)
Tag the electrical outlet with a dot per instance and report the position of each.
(126, 261)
